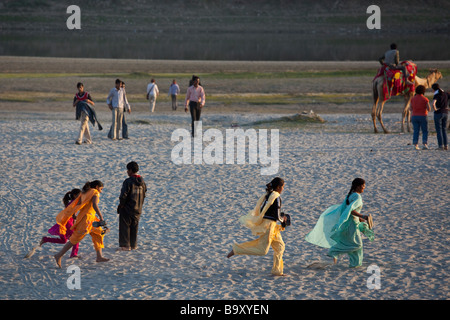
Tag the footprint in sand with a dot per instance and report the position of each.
(318, 265)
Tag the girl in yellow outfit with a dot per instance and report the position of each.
(87, 205)
(262, 221)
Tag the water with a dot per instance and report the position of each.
(269, 30)
(220, 46)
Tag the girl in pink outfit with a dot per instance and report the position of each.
(68, 198)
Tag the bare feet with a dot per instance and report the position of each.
(102, 259)
(58, 260)
(335, 260)
(230, 254)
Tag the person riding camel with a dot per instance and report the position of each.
(391, 58)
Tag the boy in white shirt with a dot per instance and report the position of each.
(152, 94)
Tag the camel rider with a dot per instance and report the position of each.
(392, 59)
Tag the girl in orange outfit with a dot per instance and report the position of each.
(87, 205)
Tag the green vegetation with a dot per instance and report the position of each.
(293, 121)
(255, 98)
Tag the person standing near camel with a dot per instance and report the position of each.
(420, 107)
(440, 106)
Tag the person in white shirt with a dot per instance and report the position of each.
(174, 90)
(116, 101)
(127, 109)
(152, 94)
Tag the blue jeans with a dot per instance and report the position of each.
(440, 122)
(420, 122)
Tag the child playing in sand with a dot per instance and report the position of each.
(262, 221)
(339, 227)
(87, 205)
(69, 197)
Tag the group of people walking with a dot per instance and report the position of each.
(118, 104)
(82, 216)
(338, 228)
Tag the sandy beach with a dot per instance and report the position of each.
(191, 212)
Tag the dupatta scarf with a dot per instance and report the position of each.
(332, 221)
(79, 203)
(254, 218)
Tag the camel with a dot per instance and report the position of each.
(377, 109)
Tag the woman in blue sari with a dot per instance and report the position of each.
(339, 227)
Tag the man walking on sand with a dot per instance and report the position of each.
(152, 94)
(174, 90)
(195, 100)
(116, 101)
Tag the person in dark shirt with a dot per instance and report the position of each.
(440, 106)
(83, 96)
(131, 200)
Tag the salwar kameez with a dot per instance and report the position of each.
(339, 231)
(269, 233)
(85, 218)
(62, 238)
(348, 241)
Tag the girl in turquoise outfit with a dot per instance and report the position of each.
(339, 227)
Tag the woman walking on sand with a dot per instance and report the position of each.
(87, 205)
(339, 227)
(262, 221)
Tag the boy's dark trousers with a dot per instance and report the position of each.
(128, 229)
